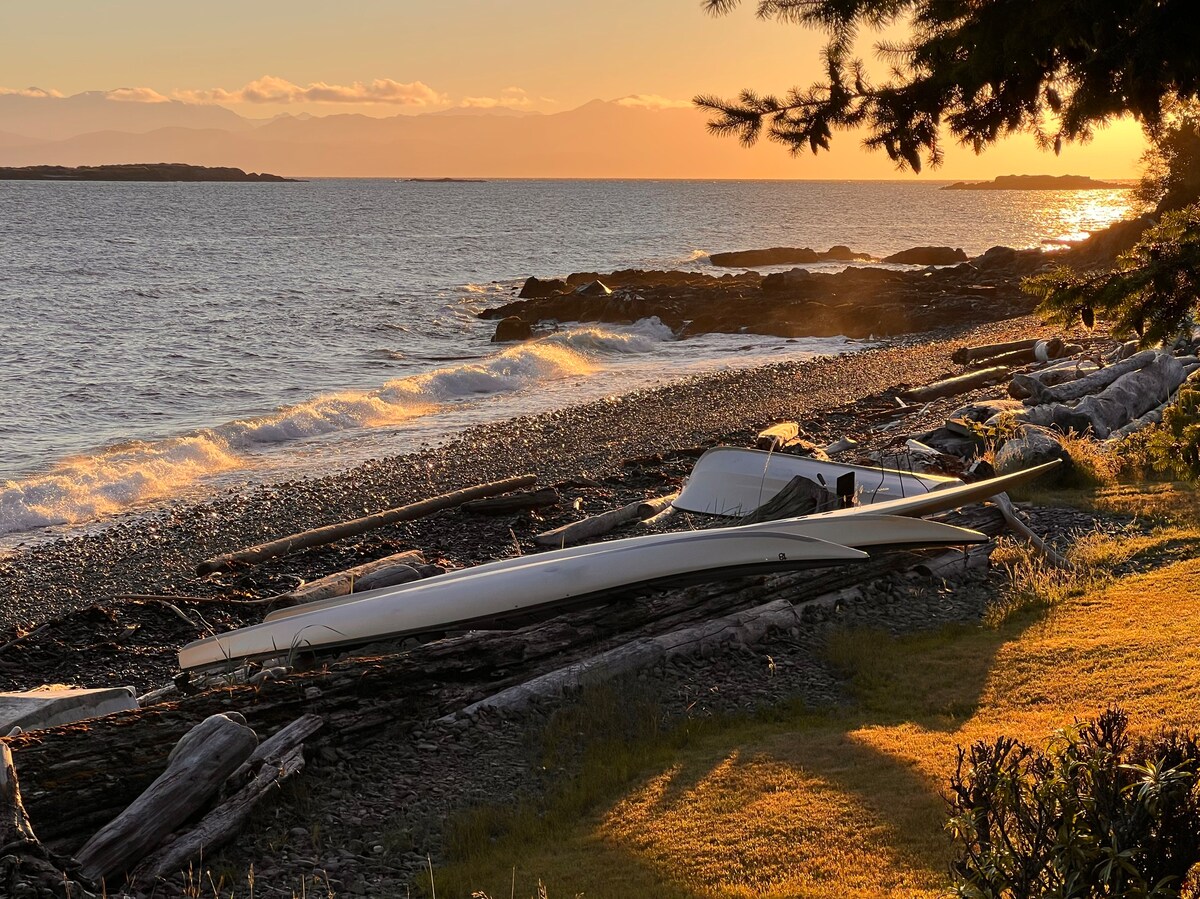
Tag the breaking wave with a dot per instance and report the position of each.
(116, 478)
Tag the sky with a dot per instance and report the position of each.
(380, 58)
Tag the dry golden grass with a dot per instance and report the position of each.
(849, 804)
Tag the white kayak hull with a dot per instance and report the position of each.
(440, 603)
(862, 532)
(730, 480)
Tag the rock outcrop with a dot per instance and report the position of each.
(928, 256)
(785, 256)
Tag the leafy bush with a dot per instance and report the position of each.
(1171, 448)
(1096, 815)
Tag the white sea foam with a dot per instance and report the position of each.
(90, 486)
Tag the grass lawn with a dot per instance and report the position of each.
(849, 803)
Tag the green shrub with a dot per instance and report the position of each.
(1171, 448)
(1096, 815)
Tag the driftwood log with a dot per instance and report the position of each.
(273, 762)
(1125, 399)
(1023, 384)
(1092, 383)
(330, 533)
(966, 354)
(778, 435)
(196, 768)
(598, 525)
(958, 384)
(512, 503)
(77, 777)
(398, 568)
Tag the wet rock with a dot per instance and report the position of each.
(512, 328)
(928, 256)
(536, 288)
(786, 256)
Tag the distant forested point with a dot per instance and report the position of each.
(1037, 182)
(158, 171)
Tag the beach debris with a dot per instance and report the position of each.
(966, 354)
(597, 525)
(274, 761)
(329, 533)
(197, 766)
(1024, 384)
(1023, 531)
(53, 704)
(800, 496)
(512, 503)
(1093, 382)
(839, 446)
(398, 568)
(1125, 398)
(957, 384)
(777, 435)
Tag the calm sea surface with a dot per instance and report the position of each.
(168, 339)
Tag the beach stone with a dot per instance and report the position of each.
(982, 410)
(1035, 446)
(928, 256)
(536, 288)
(512, 328)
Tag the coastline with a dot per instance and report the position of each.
(156, 553)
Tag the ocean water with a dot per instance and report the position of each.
(166, 340)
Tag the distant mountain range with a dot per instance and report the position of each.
(626, 138)
(597, 140)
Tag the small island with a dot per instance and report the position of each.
(1037, 182)
(155, 171)
(443, 180)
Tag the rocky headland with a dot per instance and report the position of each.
(859, 301)
(157, 171)
(1037, 182)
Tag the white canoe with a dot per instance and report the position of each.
(861, 532)
(456, 603)
(730, 480)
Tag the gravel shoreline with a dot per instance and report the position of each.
(157, 553)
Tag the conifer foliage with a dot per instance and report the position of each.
(979, 69)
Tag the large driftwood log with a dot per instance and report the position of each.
(398, 568)
(77, 777)
(1022, 384)
(332, 532)
(956, 385)
(196, 768)
(966, 354)
(15, 828)
(598, 525)
(1092, 383)
(274, 761)
(514, 502)
(1127, 398)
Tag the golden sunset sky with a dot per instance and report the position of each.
(265, 57)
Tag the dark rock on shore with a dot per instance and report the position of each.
(512, 328)
(928, 256)
(786, 256)
(156, 171)
(1036, 182)
(535, 288)
(857, 302)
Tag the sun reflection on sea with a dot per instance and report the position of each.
(1082, 212)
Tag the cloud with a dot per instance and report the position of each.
(271, 89)
(39, 93)
(515, 97)
(136, 95)
(653, 101)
